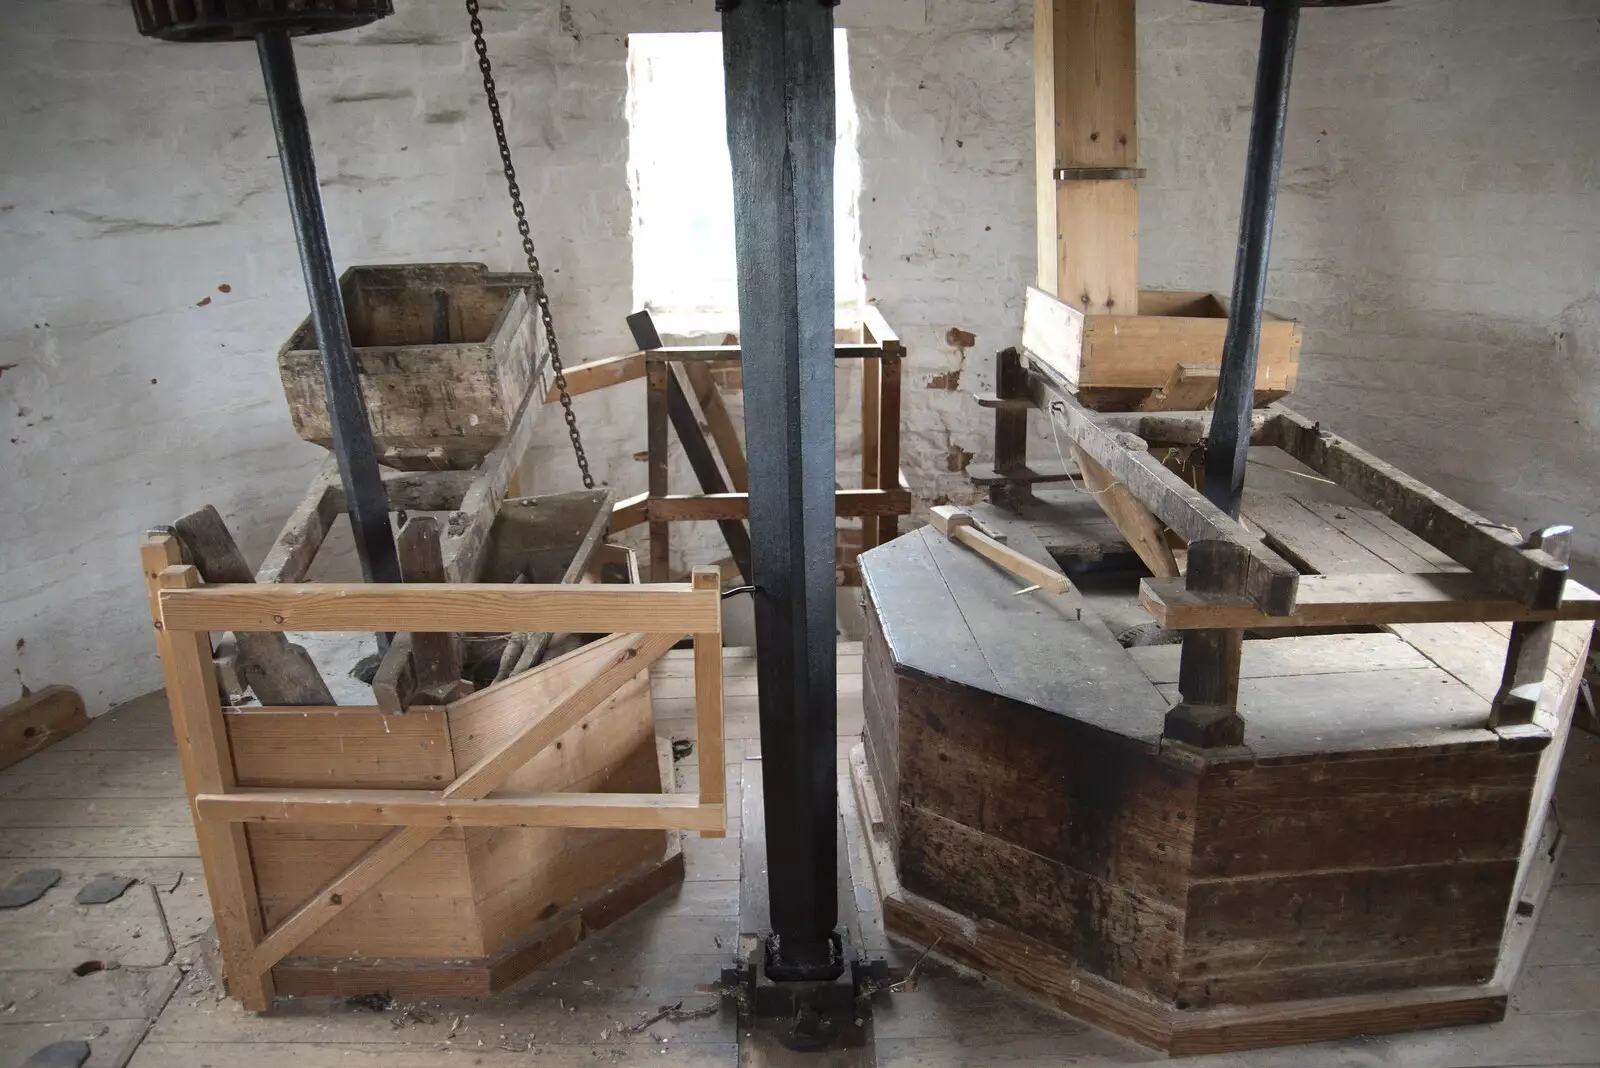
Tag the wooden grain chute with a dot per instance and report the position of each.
(516, 725)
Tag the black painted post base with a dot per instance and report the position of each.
(1204, 726)
(805, 1014)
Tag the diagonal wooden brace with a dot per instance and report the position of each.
(635, 652)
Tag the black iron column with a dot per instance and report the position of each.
(778, 58)
(1228, 444)
(368, 502)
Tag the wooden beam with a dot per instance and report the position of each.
(436, 656)
(708, 718)
(689, 353)
(679, 508)
(628, 512)
(1183, 428)
(1188, 388)
(704, 386)
(422, 808)
(1352, 600)
(959, 527)
(658, 483)
(1086, 116)
(482, 779)
(207, 761)
(1136, 522)
(704, 464)
(466, 533)
(481, 606)
(1530, 576)
(1270, 580)
(306, 528)
(598, 374)
(891, 368)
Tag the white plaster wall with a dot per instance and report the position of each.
(1440, 241)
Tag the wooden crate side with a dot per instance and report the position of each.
(1141, 351)
(424, 908)
(341, 747)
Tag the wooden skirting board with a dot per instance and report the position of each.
(1039, 970)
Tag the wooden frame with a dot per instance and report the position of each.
(1234, 581)
(184, 611)
(673, 373)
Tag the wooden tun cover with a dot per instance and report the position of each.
(1365, 842)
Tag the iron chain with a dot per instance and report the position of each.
(541, 295)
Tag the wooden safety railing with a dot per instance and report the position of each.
(1235, 581)
(650, 619)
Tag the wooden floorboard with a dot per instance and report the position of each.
(112, 801)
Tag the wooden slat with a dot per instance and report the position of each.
(708, 705)
(1348, 600)
(414, 808)
(1052, 332)
(1037, 472)
(723, 506)
(889, 473)
(673, 607)
(958, 526)
(687, 353)
(658, 482)
(1530, 576)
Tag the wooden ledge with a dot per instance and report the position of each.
(425, 808)
(1344, 600)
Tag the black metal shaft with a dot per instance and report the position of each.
(778, 59)
(1228, 444)
(366, 499)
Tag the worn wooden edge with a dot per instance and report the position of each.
(628, 512)
(1037, 970)
(38, 721)
(1351, 600)
(1492, 550)
(415, 977)
(428, 808)
(598, 374)
(848, 503)
(426, 606)
(689, 353)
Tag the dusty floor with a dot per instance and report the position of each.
(110, 799)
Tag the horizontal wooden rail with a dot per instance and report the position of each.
(1349, 600)
(431, 607)
(850, 503)
(689, 353)
(425, 808)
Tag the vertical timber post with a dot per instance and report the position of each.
(1228, 444)
(778, 61)
(1086, 144)
(365, 497)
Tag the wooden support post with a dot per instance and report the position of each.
(435, 654)
(959, 526)
(1010, 428)
(1528, 654)
(207, 763)
(1208, 669)
(708, 704)
(656, 378)
(889, 433)
(1087, 151)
